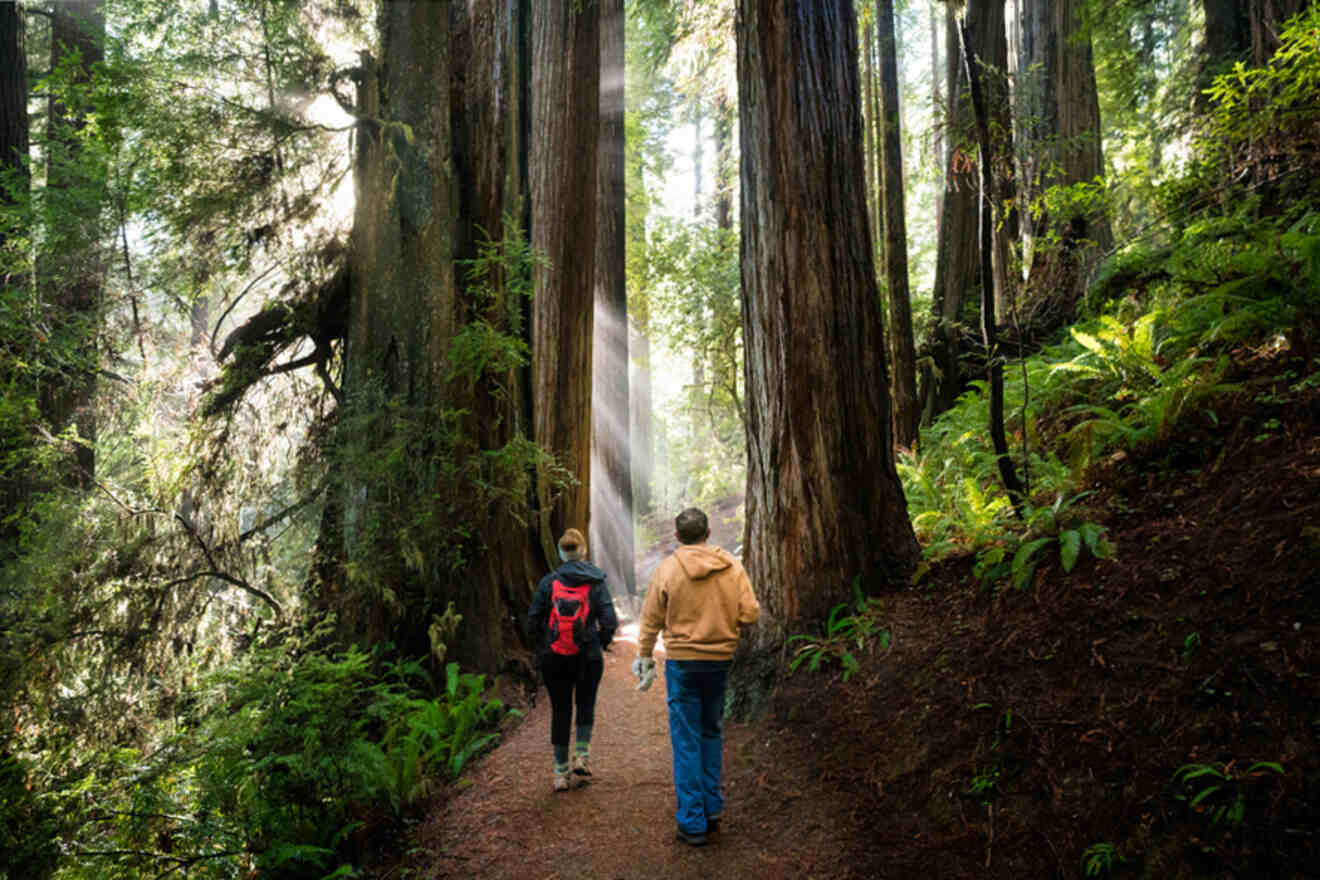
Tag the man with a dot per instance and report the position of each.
(700, 596)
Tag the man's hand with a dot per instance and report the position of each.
(644, 669)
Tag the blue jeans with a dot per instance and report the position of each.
(695, 694)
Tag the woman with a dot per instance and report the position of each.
(574, 616)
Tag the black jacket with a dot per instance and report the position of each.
(601, 621)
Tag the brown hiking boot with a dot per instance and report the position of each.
(580, 765)
(561, 782)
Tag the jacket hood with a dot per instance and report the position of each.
(579, 572)
(701, 560)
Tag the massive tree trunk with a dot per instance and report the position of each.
(492, 119)
(1064, 149)
(72, 264)
(903, 352)
(824, 504)
(427, 430)
(564, 138)
(611, 534)
(403, 310)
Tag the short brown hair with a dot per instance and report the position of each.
(573, 544)
(691, 526)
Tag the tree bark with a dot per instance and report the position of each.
(902, 347)
(611, 533)
(824, 503)
(565, 133)
(403, 309)
(491, 113)
(72, 264)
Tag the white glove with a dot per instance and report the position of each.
(644, 669)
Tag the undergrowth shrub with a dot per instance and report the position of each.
(1220, 793)
(292, 764)
(843, 634)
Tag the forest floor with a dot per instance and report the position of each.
(1004, 733)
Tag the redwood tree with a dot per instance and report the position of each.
(907, 411)
(955, 254)
(563, 158)
(1063, 142)
(824, 503)
(434, 441)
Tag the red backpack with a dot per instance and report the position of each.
(569, 609)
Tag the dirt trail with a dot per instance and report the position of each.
(507, 823)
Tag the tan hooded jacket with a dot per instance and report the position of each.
(700, 595)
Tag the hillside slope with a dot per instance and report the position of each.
(1029, 733)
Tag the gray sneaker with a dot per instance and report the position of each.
(580, 765)
(561, 782)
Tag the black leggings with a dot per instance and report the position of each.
(562, 675)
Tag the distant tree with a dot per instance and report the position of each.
(1241, 30)
(1145, 78)
(1063, 140)
(563, 159)
(989, 328)
(611, 534)
(824, 503)
(71, 266)
(956, 252)
(902, 347)
(937, 73)
(1226, 40)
